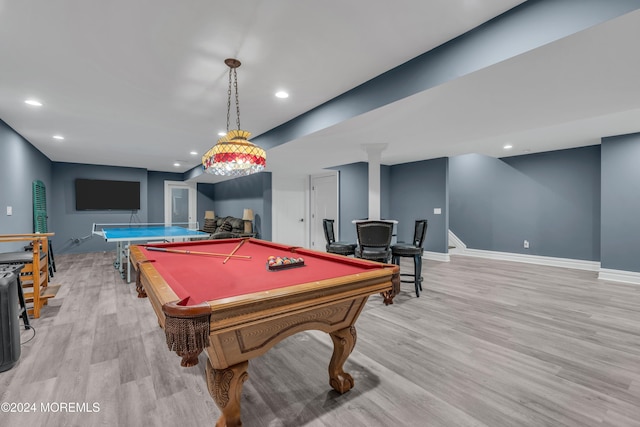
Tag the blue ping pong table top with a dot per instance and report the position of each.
(144, 233)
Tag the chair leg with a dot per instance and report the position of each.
(417, 273)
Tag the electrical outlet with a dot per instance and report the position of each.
(526, 244)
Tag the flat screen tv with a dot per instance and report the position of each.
(96, 194)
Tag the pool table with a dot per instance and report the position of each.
(235, 308)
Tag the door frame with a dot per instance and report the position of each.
(317, 222)
(193, 202)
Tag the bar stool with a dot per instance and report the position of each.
(374, 240)
(414, 250)
(333, 247)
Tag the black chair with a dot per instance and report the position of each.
(340, 248)
(415, 250)
(374, 240)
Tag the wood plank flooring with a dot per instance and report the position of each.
(488, 343)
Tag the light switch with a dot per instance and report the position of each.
(9, 210)
(437, 211)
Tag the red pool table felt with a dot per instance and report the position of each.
(198, 278)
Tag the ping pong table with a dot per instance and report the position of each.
(124, 234)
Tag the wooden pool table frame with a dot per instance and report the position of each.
(247, 326)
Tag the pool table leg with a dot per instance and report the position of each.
(344, 341)
(225, 387)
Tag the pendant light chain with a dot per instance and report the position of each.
(229, 101)
(233, 81)
(235, 85)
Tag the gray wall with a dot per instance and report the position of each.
(385, 192)
(416, 189)
(550, 199)
(205, 200)
(72, 227)
(408, 192)
(620, 222)
(155, 194)
(353, 189)
(230, 198)
(20, 164)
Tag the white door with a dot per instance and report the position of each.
(324, 204)
(180, 204)
(290, 210)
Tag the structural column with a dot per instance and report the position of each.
(374, 153)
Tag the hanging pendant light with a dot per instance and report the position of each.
(234, 154)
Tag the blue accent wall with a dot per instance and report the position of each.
(73, 227)
(230, 198)
(353, 189)
(416, 189)
(550, 199)
(205, 200)
(385, 192)
(20, 164)
(620, 223)
(155, 194)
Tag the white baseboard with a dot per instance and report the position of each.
(603, 273)
(619, 276)
(436, 256)
(534, 259)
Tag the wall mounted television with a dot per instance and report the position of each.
(97, 194)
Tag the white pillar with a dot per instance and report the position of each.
(374, 153)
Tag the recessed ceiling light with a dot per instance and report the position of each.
(33, 102)
(58, 137)
(222, 133)
(282, 94)
(193, 153)
(508, 147)
(176, 164)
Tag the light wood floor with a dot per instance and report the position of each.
(488, 343)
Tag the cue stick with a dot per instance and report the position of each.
(234, 251)
(178, 251)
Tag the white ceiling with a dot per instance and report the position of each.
(141, 83)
